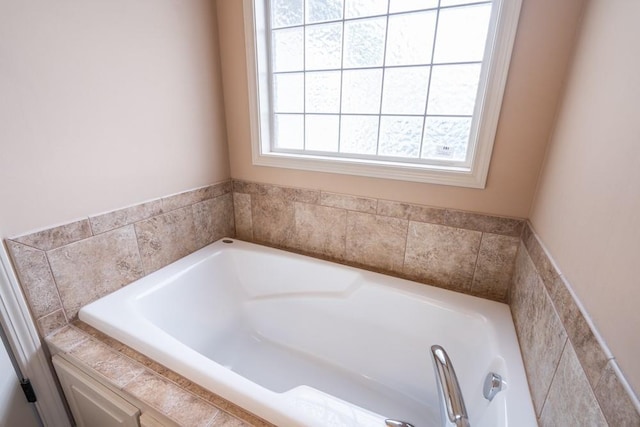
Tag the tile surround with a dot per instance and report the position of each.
(65, 267)
(570, 400)
(319, 229)
(437, 246)
(540, 332)
(376, 241)
(492, 257)
(495, 265)
(441, 255)
(166, 238)
(573, 380)
(92, 268)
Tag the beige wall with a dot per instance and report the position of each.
(543, 45)
(104, 104)
(587, 210)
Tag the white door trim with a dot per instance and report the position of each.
(27, 348)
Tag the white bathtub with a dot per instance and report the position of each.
(299, 341)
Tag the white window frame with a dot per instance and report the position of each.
(499, 46)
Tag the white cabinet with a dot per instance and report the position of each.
(92, 404)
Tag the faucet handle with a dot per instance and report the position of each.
(492, 385)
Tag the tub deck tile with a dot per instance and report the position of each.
(65, 339)
(179, 381)
(112, 365)
(177, 404)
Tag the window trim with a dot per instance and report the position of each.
(489, 103)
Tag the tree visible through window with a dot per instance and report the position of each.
(386, 81)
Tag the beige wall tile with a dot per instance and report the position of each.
(543, 264)
(494, 269)
(121, 217)
(36, 279)
(291, 194)
(614, 400)
(427, 214)
(166, 238)
(588, 350)
(443, 256)
(220, 189)
(273, 219)
(320, 230)
(89, 269)
(245, 187)
(352, 203)
(112, 365)
(413, 212)
(52, 322)
(540, 332)
(484, 223)
(302, 195)
(57, 236)
(187, 198)
(242, 213)
(394, 209)
(571, 401)
(179, 405)
(376, 241)
(213, 219)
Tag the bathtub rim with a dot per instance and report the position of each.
(242, 391)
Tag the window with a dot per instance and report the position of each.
(401, 89)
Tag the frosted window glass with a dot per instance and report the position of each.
(364, 42)
(405, 90)
(446, 138)
(285, 13)
(453, 89)
(410, 38)
(288, 50)
(462, 33)
(444, 3)
(400, 136)
(289, 131)
(288, 93)
(321, 132)
(407, 5)
(361, 91)
(323, 92)
(324, 46)
(359, 8)
(323, 10)
(359, 134)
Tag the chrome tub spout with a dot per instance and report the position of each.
(452, 409)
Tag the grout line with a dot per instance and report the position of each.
(55, 284)
(553, 377)
(475, 266)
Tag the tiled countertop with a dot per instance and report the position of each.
(134, 374)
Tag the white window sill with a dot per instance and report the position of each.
(461, 177)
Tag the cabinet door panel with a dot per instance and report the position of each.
(92, 404)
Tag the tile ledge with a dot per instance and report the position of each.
(78, 328)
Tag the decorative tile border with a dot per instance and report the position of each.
(572, 378)
(462, 251)
(65, 267)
